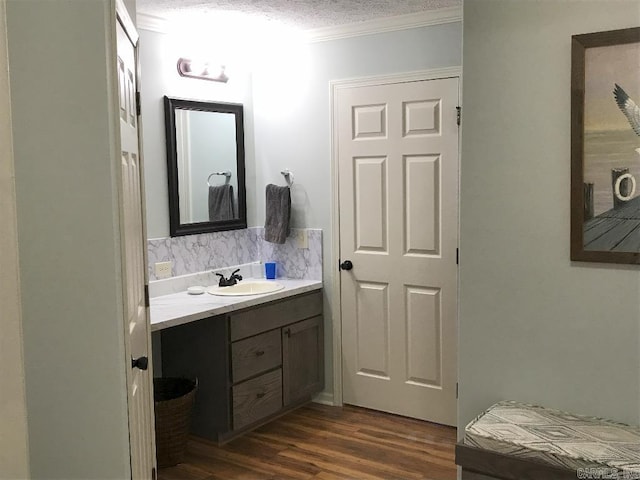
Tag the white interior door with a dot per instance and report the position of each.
(137, 328)
(398, 191)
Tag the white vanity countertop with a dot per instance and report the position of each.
(180, 308)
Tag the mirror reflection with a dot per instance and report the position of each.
(205, 155)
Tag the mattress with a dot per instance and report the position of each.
(594, 447)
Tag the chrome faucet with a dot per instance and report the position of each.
(232, 280)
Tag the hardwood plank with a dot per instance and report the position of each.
(358, 442)
(328, 476)
(318, 442)
(184, 471)
(348, 469)
(262, 466)
(369, 462)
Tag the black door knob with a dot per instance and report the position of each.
(142, 363)
(346, 265)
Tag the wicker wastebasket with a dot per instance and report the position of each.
(173, 398)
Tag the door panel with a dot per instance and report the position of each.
(372, 340)
(370, 187)
(398, 190)
(421, 118)
(422, 204)
(424, 359)
(369, 121)
(137, 331)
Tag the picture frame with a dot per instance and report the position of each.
(605, 146)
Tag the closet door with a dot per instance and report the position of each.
(398, 186)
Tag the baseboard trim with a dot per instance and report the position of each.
(324, 398)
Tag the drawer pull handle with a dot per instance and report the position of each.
(142, 363)
(259, 353)
(260, 395)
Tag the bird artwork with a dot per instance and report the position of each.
(629, 108)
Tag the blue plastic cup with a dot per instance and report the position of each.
(270, 270)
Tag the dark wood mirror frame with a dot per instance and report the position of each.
(176, 227)
(581, 207)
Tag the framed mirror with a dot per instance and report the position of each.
(205, 166)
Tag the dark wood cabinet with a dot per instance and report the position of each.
(302, 360)
(252, 365)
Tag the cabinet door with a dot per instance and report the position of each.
(302, 360)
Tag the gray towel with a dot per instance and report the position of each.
(278, 213)
(221, 205)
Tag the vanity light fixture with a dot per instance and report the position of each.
(201, 70)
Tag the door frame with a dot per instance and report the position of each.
(124, 19)
(335, 300)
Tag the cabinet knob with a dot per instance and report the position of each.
(142, 363)
(287, 332)
(259, 353)
(260, 395)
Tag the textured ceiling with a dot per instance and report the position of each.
(304, 14)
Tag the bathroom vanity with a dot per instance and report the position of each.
(257, 359)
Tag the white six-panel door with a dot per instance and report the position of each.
(137, 328)
(398, 190)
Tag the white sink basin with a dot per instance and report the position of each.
(250, 287)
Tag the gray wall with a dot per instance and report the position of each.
(65, 164)
(534, 326)
(14, 454)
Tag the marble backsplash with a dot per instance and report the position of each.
(209, 251)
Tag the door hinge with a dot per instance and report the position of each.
(456, 389)
(457, 256)
(146, 296)
(458, 115)
(138, 109)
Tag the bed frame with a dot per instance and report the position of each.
(479, 464)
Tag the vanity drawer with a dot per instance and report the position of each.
(257, 398)
(275, 315)
(255, 354)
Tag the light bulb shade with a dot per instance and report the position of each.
(201, 70)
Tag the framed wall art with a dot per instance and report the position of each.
(605, 146)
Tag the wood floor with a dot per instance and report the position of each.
(326, 443)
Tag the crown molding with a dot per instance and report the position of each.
(417, 76)
(427, 18)
(389, 24)
(152, 23)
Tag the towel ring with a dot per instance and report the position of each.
(226, 173)
(288, 176)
